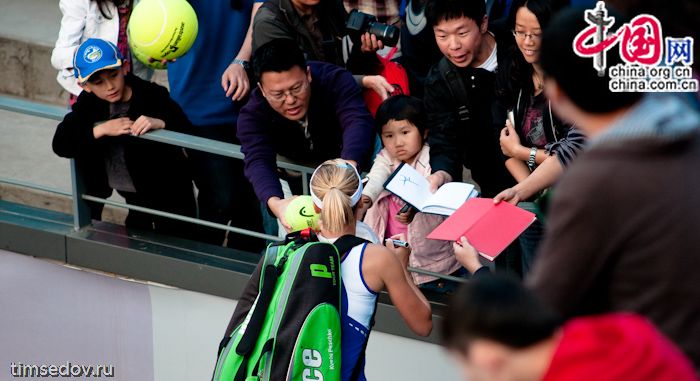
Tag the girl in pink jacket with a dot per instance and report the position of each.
(401, 123)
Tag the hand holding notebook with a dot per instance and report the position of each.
(489, 227)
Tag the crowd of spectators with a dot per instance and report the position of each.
(497, 92)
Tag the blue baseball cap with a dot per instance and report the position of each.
(94, 55)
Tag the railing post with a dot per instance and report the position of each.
(81, 210)
(305, 183)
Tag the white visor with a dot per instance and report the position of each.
(355, 196)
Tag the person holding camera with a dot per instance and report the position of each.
(319, 28)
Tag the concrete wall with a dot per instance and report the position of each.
(28, 32)
(27, 72)
(146, 331)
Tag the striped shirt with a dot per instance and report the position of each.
(567, 148)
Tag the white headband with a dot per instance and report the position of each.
(355, 196)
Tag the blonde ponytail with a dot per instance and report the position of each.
(336, 212)
(333, 184)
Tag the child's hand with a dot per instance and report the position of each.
(362, 207)
(144, 124)
(510, 142)
(401, 252)
(466, 255)
(406, 217)
(113, 127)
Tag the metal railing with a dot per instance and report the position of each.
(81, 214)
(39, 187)
(82, 218)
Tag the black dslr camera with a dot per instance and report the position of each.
(359, 23)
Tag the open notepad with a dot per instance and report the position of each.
(489, 227)
(413, 188)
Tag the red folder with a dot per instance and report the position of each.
(489, 227)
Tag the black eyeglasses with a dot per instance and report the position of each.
(522, 35)
(294, 92)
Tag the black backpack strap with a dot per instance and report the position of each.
(347, 242)
(250, 336)
(267, 347)
(457, 88)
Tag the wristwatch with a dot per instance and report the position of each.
(531, 161)
(243, 63)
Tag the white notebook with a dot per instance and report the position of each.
(413, 188)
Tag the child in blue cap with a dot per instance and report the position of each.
(99, 133)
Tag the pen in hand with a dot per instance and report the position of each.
(398, 242)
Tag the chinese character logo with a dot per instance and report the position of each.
(679, 50)
(640, 41)
(599, 23)
(641, 45)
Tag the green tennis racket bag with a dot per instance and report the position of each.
(292, 330)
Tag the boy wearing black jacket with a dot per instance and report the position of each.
(96, 133)
(464, 116)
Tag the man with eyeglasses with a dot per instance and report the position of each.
(308, 114)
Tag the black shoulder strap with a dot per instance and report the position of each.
(268, 279)
(347, 242)
(457, 89)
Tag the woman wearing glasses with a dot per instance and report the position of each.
(532, 135)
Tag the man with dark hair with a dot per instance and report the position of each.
(498, 330)
(306, 113)
(463, 113)
(623, 225)
(464, 117)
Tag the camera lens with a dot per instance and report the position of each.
(389, 34)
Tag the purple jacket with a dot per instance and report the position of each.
(339, 126)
